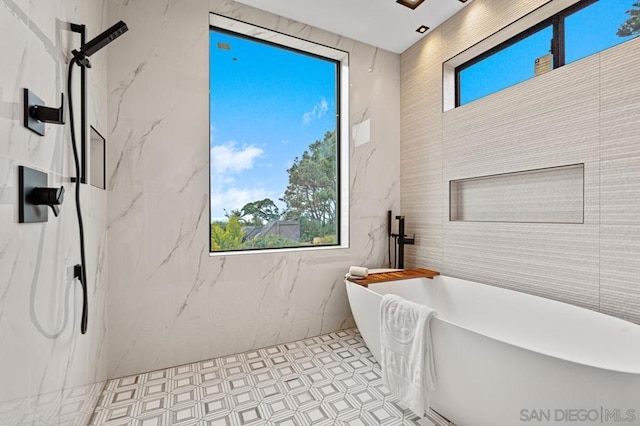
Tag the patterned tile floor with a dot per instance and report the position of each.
(326, 380)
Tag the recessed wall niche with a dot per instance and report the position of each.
(551, 195)
(97, 152)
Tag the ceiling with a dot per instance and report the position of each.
(381, 23)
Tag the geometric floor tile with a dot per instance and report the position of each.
(326, 380)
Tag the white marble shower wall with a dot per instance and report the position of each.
(49, 372)
(586, 112)
(170, 302)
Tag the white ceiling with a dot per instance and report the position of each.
(381, 23)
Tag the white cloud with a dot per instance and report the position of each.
(225, 195)
(227, 158)
(235, 198)
(318, 111)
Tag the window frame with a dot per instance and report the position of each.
(558, 46)
(340, 58)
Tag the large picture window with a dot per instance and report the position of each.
(583, 29)
(274, 145)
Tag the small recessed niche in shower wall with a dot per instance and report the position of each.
(551, 195)
(97, 153)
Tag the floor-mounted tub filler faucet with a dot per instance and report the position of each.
(400, 240)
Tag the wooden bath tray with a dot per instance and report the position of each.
(395, 276)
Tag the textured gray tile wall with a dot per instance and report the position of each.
(421, 148)
(586, 112)
(620, 181)
(552, 195)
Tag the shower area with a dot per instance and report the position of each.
(136, 290)
(52, 308)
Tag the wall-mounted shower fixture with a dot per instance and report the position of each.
(35, 197)
(98, 42)
(81, 58)
(51, 197)
(36, 113)
(82, 30)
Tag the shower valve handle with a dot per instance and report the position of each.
(51, 197)
(48, 114)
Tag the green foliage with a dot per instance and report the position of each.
(221, 224)
(311, 195)
(270, 241)
(260, 212)
(310, 229)
(228, 237)
(256, 213)
(310, 199)
(234, 213)
(326, 240)
(631, 26)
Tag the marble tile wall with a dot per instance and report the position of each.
(170, 303)
(585, 112)
(49, 372)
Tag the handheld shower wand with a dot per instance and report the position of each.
(98, 42)
(81, 58)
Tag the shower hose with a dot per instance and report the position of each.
(80, 271)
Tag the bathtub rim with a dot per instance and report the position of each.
(519, 346)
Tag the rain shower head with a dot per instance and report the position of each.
(98, 42)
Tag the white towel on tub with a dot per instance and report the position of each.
(408, 368)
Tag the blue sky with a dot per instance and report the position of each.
(267, 105)
(588, 31)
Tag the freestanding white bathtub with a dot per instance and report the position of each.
(505, 358)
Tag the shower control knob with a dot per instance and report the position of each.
(51, 197)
